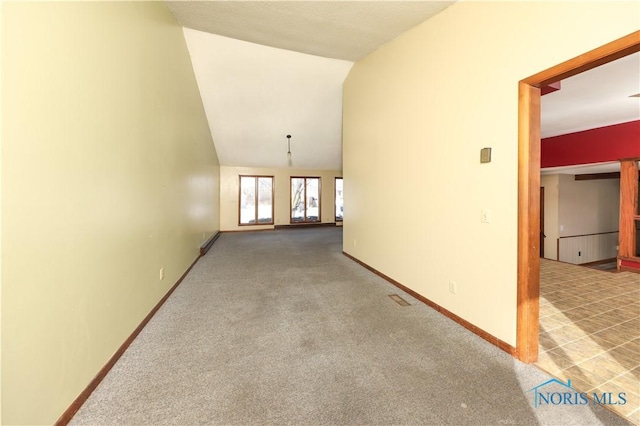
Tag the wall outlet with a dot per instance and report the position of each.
(354, 242)
(161, 274)
(453, 287)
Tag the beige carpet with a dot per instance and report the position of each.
(281, 328)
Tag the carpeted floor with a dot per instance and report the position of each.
(281, 328)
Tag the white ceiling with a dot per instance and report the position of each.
(266, 69)
(595, 98)
(345, 30)
(254, 95)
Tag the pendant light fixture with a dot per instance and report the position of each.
(289, 147)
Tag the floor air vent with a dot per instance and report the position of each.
(399, 300)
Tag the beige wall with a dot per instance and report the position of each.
(574, 208)
(588, 206)
(551, 227)
(108, 174)
(417, 112)
(229, 192)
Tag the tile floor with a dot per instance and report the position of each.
(590, 330)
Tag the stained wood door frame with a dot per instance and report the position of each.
(542, 236)
(527, 327)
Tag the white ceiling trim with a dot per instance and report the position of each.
(608, 167)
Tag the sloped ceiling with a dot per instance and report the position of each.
(255, 95)
(271, 68)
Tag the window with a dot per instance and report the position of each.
(305, 199)
(256, 200)
(338, 199)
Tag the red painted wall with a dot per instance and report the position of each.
(610, 143)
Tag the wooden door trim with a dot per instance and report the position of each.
(617, 49)
(542, 235)
(529, 182)
(628, 208)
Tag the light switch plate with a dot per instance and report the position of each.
(485, 216)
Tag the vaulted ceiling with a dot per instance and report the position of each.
(271, 68)
(255, 95)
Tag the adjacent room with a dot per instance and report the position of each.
(589, 314)
(380, 138)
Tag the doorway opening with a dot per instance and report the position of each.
(527, 330)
